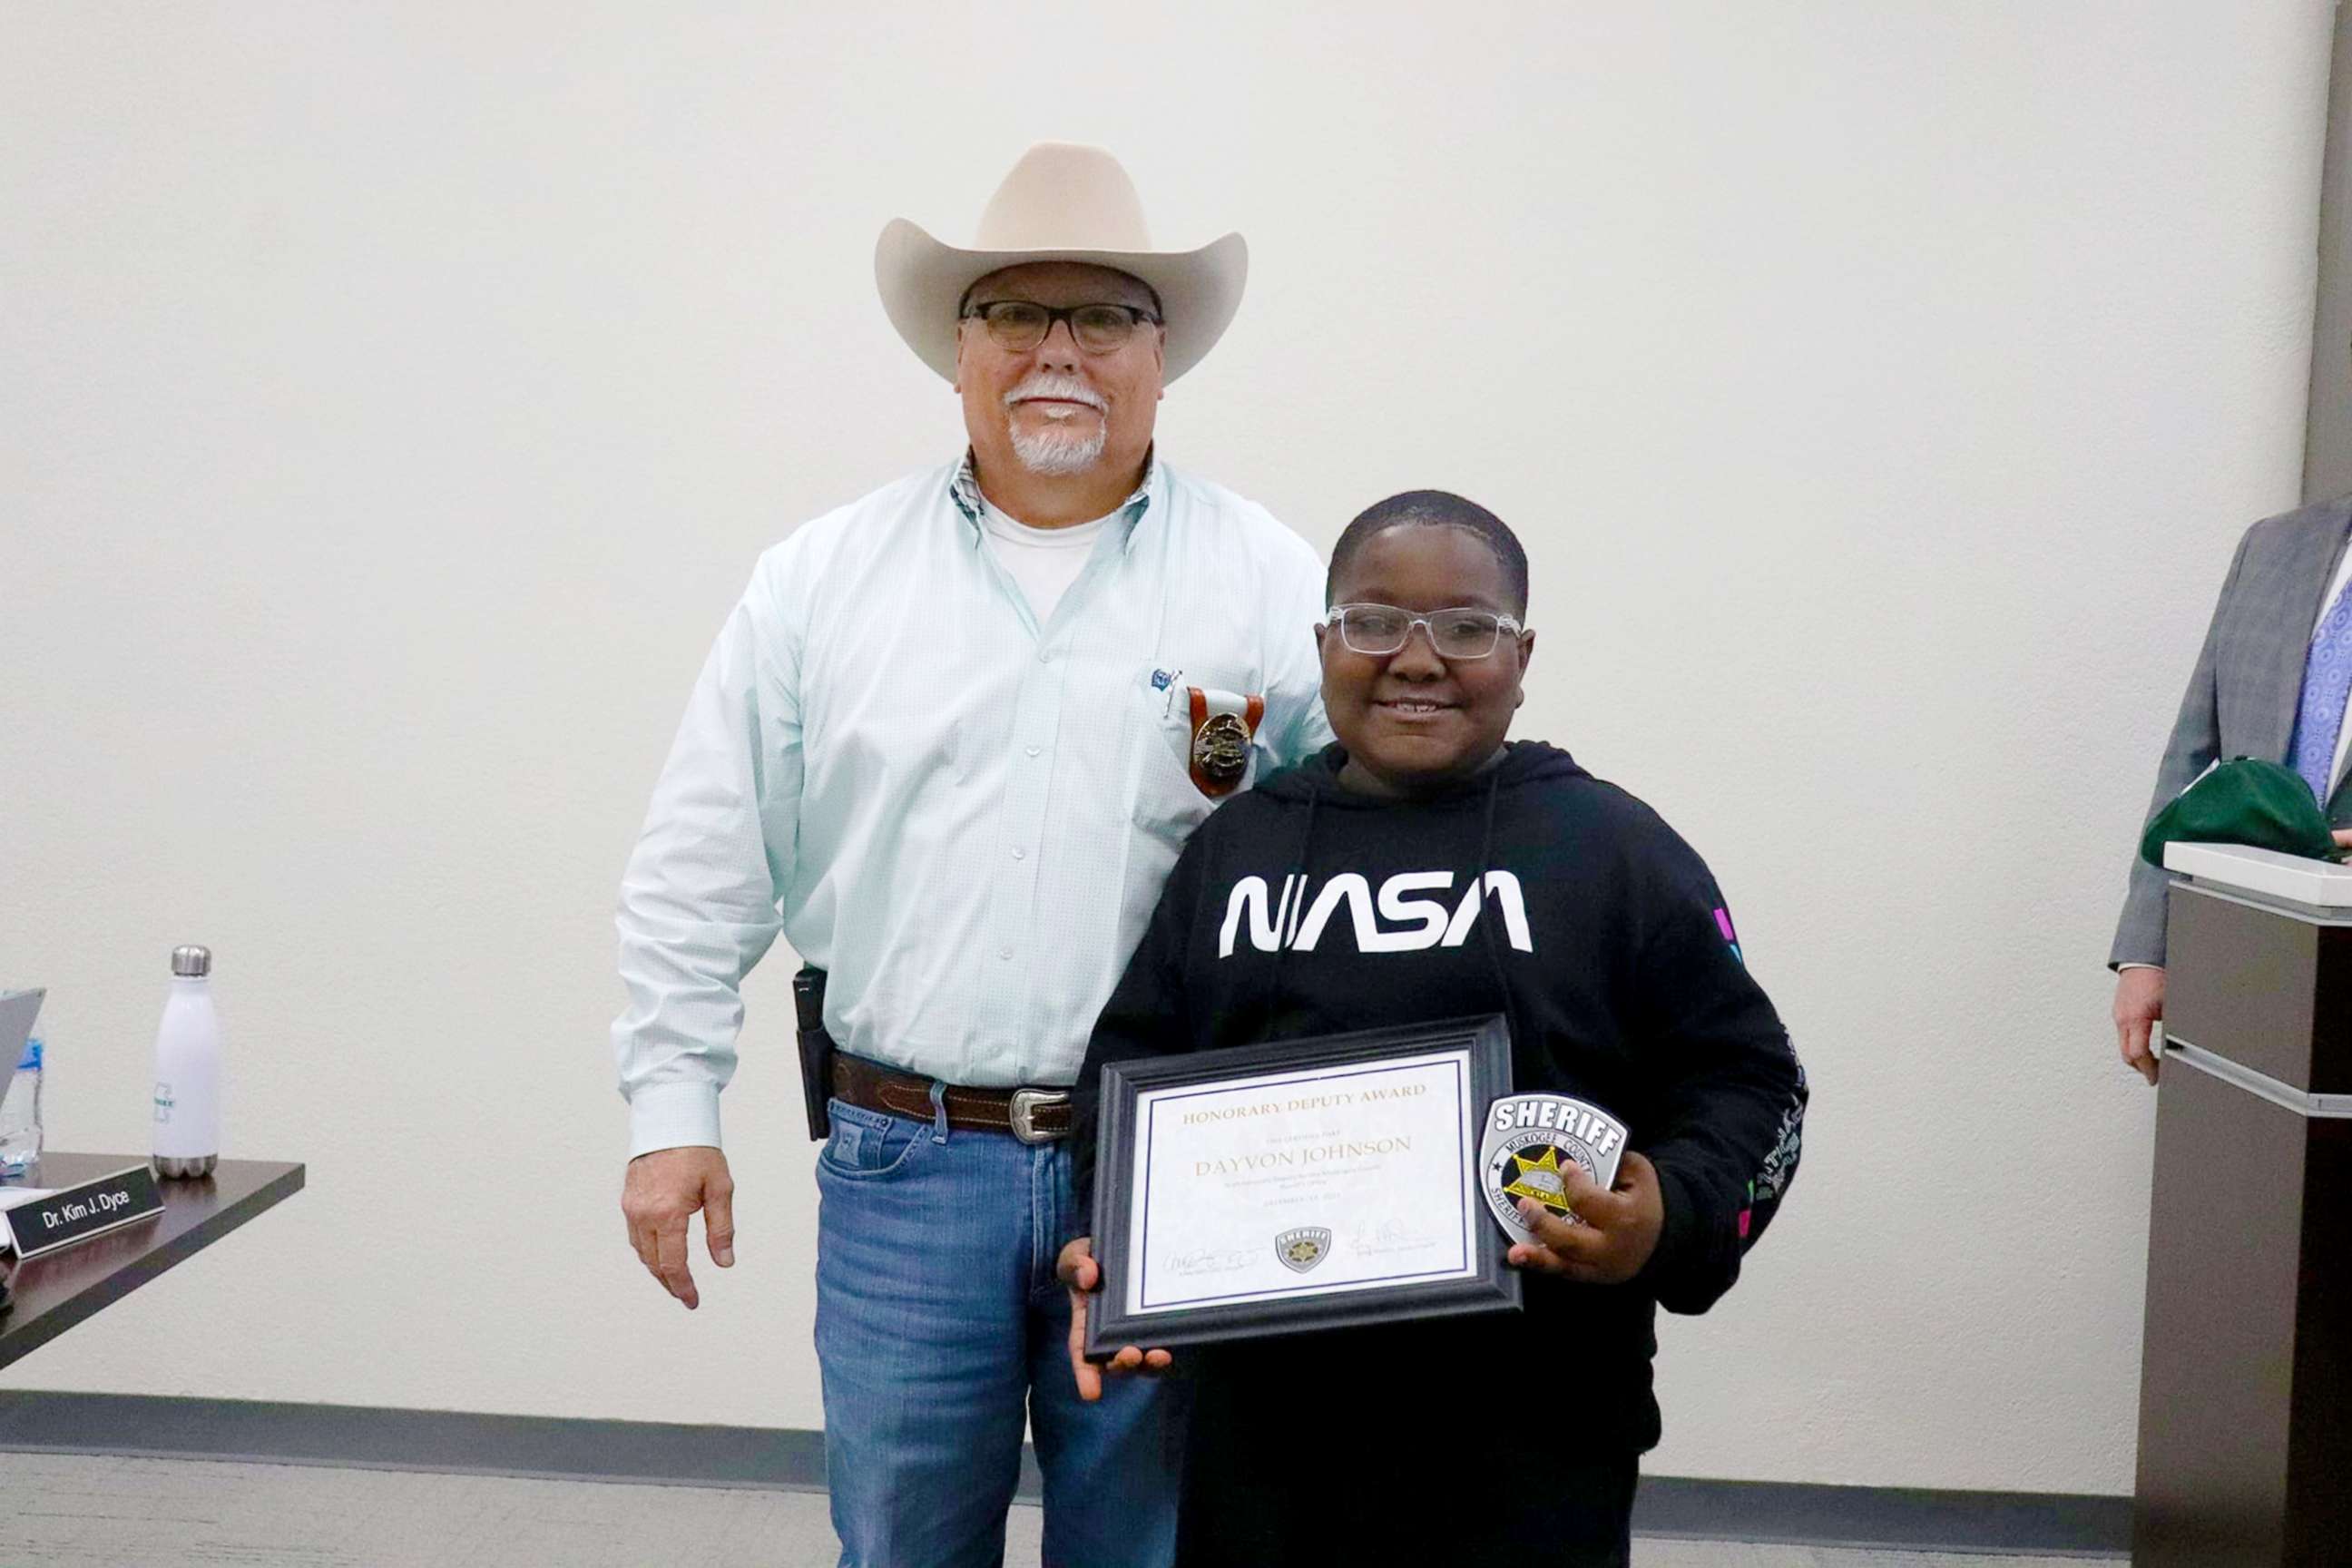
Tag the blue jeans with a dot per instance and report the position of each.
(939, 1324)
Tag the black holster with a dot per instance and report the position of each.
(816, 1050)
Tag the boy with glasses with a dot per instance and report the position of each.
(1602, 939)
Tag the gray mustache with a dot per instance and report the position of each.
(1062, 388)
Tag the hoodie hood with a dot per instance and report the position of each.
(1317, 778)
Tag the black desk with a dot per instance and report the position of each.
(52, 1293)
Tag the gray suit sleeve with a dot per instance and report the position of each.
(2196, 741)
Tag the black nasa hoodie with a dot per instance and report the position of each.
(1604, 942)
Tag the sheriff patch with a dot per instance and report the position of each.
(1530, 1138)
(1224, 726)
(1303, 1248)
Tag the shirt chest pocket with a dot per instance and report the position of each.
(1169, 800)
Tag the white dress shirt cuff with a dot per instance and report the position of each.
(2121, 967)
(672, 1116)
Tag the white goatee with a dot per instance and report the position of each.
(1057, 451)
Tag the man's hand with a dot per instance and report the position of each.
(2139, 1003)
(1619, 1233)
(662, 1188)
(1079, 1271)
(2344, 838)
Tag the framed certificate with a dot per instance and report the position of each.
(1305, 1184)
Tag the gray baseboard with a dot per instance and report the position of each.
(371, 1437)
(792, 1459)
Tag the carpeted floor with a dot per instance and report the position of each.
(105, 1513)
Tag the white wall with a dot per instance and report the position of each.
(2327, 441)
(394, 400)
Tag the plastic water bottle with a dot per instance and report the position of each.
(20, 1118)
(188, 1070)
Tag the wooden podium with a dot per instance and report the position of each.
(2245, 1404)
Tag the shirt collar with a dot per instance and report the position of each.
(964, 490)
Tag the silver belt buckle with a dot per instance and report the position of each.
(1026, 1103)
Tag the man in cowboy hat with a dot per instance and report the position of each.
(948, 746)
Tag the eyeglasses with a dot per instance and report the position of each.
(1020, 325)
(1382, 629)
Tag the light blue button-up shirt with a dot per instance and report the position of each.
(963, 815)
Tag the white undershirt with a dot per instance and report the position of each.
(1044, 562)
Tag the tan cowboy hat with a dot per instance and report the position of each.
(1061, 203)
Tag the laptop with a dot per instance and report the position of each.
(18, 1010)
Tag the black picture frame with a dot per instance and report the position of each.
(1492, 1286)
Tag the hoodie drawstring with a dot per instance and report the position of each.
(1285, 916)
(1486, 919)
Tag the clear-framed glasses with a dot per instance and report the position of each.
(1379, 630)
(1020, 325)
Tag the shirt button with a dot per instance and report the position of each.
(1031, 750)
(1020, 854)
(1045, 656)
(1004, 953)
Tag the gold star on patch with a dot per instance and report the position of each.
(1540, 1178)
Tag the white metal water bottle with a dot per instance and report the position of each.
(188, 1070)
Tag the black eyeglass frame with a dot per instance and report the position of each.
(1135, 316)
(1337, 616)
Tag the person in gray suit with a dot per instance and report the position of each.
(2272, 680)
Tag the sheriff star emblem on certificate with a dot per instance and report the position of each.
(1530, 1140)
(1303, 1248)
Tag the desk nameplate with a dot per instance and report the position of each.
(43, 1225)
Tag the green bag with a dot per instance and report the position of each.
(2243, 801)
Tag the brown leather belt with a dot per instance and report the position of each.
(1032, 1115)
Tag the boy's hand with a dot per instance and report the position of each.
(1082, 1276)
(1619, 1233)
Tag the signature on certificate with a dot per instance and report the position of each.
(1389, 1236)
(1209, 1260)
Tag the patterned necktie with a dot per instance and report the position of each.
(2326, 682)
